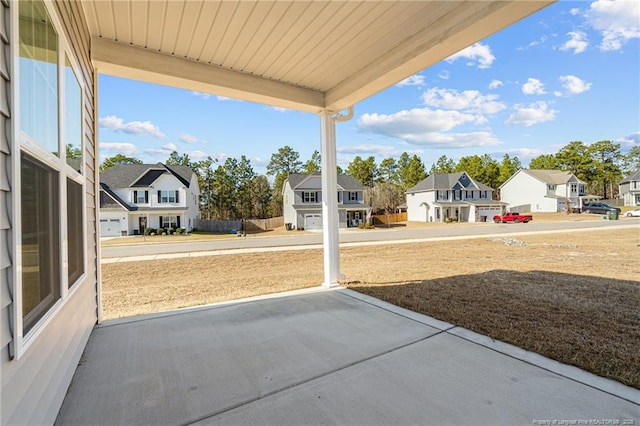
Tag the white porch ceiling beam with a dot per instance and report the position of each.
(123, 60)
(472, 21)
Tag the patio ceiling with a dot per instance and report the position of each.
(304, 55)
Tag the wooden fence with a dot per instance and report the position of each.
(250, 225)
(384, 219)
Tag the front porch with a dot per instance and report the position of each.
(321, 357)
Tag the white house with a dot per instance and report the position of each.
(531, 190)
(138, 196)
(451, 196)
(629, 189)
(302, 201)
(53, 51)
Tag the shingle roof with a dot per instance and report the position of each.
(557, 177)
(126, 175)
(347, 182)
(633, 176)
(445, 181)
(109, 200)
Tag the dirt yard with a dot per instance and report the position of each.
(573, 297)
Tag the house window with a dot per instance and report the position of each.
(167, 196)
(75, 220)
(353, 196)
(40, 239)
(442, 195)
(635, 184)
(309, 197)
(52, 185)
(551, 187)
(141, 197)
(169, 222)
(457, 195)
(574, 187)
(582, 190)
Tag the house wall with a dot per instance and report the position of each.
(630, 192)
(34, 385)
(416, 211)
(288, 211)
(523, 189)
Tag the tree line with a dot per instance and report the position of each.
(233, 190)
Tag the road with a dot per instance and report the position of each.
(360, 236)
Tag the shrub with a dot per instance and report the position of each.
(169, 231)
(149, 231)
(159, 231)
(180, 231)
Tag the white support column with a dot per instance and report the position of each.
(330, 220)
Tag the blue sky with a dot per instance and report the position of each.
(570, 72)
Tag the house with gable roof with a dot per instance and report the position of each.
(302, 201)
(629, 189)
(138, 196)
(451, 196)
(543, 191)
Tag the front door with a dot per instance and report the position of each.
(142, 224)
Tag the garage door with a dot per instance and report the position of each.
(109, 227)
(312, 221)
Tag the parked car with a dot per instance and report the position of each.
(514, 217)
(599, 208)
(635, 212)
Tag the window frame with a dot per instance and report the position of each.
(309, 197)
(22, 143)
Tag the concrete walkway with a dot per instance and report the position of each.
(325, 357)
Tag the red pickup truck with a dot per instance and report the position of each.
(514, 217)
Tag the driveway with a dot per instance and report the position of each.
(360, 236)
(324, 357)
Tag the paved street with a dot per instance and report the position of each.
(347, 236)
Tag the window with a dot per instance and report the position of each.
(167, 196)
(40, 240)
(442, 195)
(457, 195)
(172, 222)
(353, 196)
(38, 76)
(309, 197)
(75, 234)
(141, 197)
(52, 185)
(574, 187)
(551, 187)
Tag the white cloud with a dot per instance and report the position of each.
(524, 152)
(187, 138)
(414, 80)
(577, 42)
(533, 86)
(224, 99)
(629, 141)
(574, 85)
(197, 154)
(470, 101)
(165, 149)
(528, 115)
(123, 148)
(423, 126)
(279, 109)
(371, 149)
(477, 54)
(575, 11)
(201, 94)
(444, 75)
(618, 21)
(495, 84)
(116, 124)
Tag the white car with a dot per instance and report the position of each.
(635, 213)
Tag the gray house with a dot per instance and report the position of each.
(629, 189)
(302, 201)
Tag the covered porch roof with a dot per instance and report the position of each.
(302, 55)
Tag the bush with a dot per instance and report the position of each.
(169, 231)
(149, 231)
(180, 231)
(159, 231)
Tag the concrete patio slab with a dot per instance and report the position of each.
(323, 357)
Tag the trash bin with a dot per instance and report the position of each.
(613, 215)
(287, 226)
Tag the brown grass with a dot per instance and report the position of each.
(573, 297)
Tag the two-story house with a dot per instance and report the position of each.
(138, 196)
(543, 191)
(629, 189)
(302, 201)
(451, 196)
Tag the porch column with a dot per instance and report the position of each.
(330, 221)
